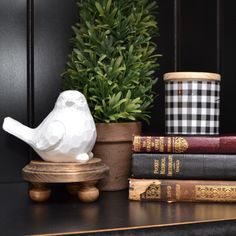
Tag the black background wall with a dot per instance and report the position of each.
(195, 35)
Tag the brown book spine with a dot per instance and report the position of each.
(184, 144)
(182, 190)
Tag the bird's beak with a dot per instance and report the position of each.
(69, 103)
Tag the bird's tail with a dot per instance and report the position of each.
(17, 129)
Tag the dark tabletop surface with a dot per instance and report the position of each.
(65, 214)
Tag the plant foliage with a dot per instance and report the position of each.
(113, 58)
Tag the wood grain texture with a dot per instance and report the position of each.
(39, 193)
(88, 192)
(189, 76)
(47, 172)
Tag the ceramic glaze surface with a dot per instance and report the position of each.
(67, 134)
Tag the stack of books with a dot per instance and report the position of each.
(174, 168)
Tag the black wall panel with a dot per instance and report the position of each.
(52, 33)
(228, 84)
(13, 85)
(35, 35)
(197, 35)
(165, 46)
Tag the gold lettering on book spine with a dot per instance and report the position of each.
(156, 167)
(163, 166)
(161, 147)
(215, 193)
(170, 165)
(177, 166)
(180, 144)
(169, 144)
(152, 192)
(169, 192)
(137, 143)
(177, 191)
(157, 144)
(149, 144)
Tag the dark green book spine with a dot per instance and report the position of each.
(184, 166)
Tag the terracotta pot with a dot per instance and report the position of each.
(113, 146)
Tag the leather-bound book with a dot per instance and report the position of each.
(184, 166)
(185, 144)
(182, 190)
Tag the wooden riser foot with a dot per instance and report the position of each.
(88, 192)
(81, 178)
(39, 193)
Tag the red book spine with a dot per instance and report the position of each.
(184, 144)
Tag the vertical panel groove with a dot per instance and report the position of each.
(176, 34)
(30, 66)
(219, 32)
(30, 62)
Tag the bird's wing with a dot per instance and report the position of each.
(51, 135)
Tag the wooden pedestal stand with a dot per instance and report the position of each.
(81, 178)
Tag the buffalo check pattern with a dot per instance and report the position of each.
(192, 107)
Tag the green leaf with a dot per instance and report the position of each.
(99, 8)
(108, 6)
(114, 58)
(118, 61)
(131, 117)
(102, 57)
(128, 95)
(118, 104)
(117, 97)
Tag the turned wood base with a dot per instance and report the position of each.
(81, 178)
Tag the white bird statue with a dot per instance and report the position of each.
(67, 134)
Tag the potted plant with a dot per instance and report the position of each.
(113, 62)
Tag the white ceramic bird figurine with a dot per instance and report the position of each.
(67, 134)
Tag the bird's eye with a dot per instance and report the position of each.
(69, 103)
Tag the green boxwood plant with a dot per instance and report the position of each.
(114, 58)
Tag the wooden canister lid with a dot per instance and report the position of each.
(185, 76)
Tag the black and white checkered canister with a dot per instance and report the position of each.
(192, 103)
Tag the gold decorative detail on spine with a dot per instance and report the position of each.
(169, 192)
(161, 147)
(170, 165)
(156, 167)
(215, 193)
(177, 166)
(149, 144)
(152, 192)
(169, 144)
(163, 166)
(143, 144)
(157, 144)
(180, 144)
(137, 143)
(177, 191)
